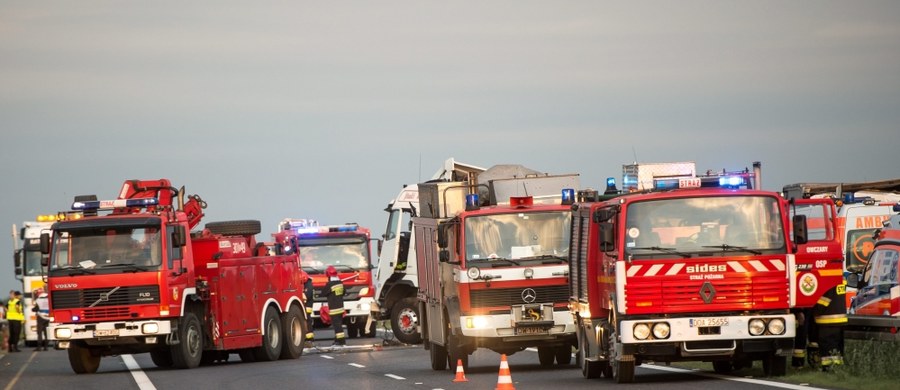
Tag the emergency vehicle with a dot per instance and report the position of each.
(346, 247)
(492, 266)
(697, 269)
(396, 279)
(134, 280)
(27, 262)
(875, 311)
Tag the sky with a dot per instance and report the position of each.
(323, 110)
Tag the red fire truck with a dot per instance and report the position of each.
(698, 269)
(346, 247)
(494, 275)
(134, 280)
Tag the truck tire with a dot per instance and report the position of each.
(162, 358)
(247, 227)
(589, 369)
(546, 355)
(270, 350)
(774, 365)
(622, 371)
(405, 320)
(438, 357)
(456, 353)
(247, 355)
(82, 359)
(564, 355)
(188, 352)
(293, 328)
(722, 366)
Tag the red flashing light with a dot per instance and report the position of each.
(521, 201)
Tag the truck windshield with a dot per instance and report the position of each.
(499, 238)
(345, 254)
(703, 225)
(118, 249)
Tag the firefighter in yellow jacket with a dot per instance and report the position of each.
(334, 290)
(830, 317)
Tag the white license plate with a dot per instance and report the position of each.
(531, 330)
(106, 332)
(708, 321)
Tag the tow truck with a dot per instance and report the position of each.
(134, 280)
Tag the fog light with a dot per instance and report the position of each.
(757, 327)
(661, 330)
(63, 333)
(150, 340)
(150, 328)
(776, 326)
(641, 331)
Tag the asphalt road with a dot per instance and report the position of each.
(367, 364)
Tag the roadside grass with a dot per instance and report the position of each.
(869, 365)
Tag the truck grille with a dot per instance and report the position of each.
(675, 296)
(105, 296)
(494, 297)
(106, 312)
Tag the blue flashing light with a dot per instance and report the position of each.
(345, 228)
(731, 181)
(88, 205)
(849, 197)
(666, 184)
(610, 182)
(113, 204)
(472, 202)
(76, 318)
(307, 230)
(568, 195)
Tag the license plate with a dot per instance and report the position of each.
(106, 332)
(525, 330)
(709, 321)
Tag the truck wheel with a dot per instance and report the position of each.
(162, 358)
(247, 355)
(546, 356)
(456, 353)
(564, 355)
(438, 357)
(82, 360)
(774, 365)
(405, 320)
(589, 369)
(293, 326)
(722, 366)
(235, 228)
(188, 352)
(622, 371)
(270, 349)
(353, 327)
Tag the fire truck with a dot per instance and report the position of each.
(27, 262)
(875, 311)
(492, 266)
(396, 279)
(697, 269)
(346, 247)
(134, 280)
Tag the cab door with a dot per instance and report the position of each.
(820, 260)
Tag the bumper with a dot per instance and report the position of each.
(358, 308)
(503, 326)
(109, 331)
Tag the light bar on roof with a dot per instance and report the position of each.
(114, 204)
(326, 229)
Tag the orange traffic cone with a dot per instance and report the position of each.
(504, 381)
(460, 374)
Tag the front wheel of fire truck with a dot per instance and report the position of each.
(293, 325)
(188, 352)
(546, 355)
(82, 359)
(774, 365)
(162, 358)
(589, 369)
(621, 367)
(564, 355)
(722, 366)
(270, 349)
(405, 321)
(438, 357)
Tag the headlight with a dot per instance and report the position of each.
(529, 273)
(476, 322)
(757, 327)
(63, 333)
(473, 272)
(150, 328)
(364, 291)
(641, 331)
(661, 330)
(776, 326)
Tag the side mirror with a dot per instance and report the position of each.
(444, 255)
(17, 258)
(45, 243)
(800, 230)
(45, 261)
(442, 236)
(603, 215)
(854, 280)
(178, 237)
(607, 237)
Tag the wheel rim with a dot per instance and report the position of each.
(272, 332)
(613, 358)
(407, 321)
(193, 341)
(296, 332)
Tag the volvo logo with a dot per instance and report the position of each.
(529, 295)
(104, 297)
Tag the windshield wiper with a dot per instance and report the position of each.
(131, 267)
(344, 267)
(547, 259)
(733, 248)
(664, 249)
(72, 270)
(312, 270)
(507, 261)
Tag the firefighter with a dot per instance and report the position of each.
(334, 290)
(830, 316)
(803, 339)
(308, 293)
(15, 315)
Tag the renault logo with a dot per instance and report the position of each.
(707, 292)
(529, 295)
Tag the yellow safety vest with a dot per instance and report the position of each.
(13, 311)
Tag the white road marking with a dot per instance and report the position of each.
(140, 377)
(327, 357)
(731, 378)
(397, 377)
(357, 365)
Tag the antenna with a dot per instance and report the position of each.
(633, 153)
(420, 167)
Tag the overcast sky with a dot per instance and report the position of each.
(324, 110)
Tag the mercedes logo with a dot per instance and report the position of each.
(529, 295)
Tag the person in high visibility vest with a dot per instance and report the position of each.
(334, 290)
(830, 316)
(15, 316)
